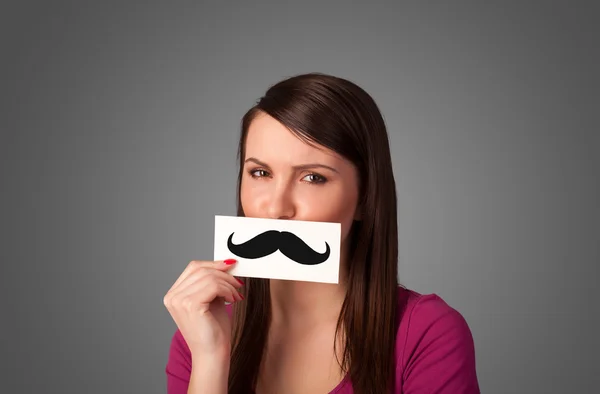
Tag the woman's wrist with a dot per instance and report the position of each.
(210, 373)
(222, 354)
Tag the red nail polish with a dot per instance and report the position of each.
(239, 280)
(241, 295)
(229, 261)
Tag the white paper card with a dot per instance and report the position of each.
(279, 249)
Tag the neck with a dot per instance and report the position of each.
(305, 303)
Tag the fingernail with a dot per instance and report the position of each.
(241, 295)
(229, 261)
(239, 280)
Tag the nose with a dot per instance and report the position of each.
(281, 204)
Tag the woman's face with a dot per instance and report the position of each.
(285, 178)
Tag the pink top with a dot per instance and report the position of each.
(434, 349)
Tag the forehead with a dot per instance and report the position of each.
(269, 140)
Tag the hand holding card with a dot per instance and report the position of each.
(195, 302)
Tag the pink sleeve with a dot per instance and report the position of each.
(439, 353)
(179, 365)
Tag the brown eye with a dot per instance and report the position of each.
(258, 173)
(315, 178)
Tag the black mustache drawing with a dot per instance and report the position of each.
(270, 241)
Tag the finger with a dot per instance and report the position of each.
(206, 294)
(206, 287)
(197, 264)
(194, 282)
(188, 270)
(224, 290)
(231, 294)
(194, 277)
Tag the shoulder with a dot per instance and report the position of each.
(428, 311)
(434, 346)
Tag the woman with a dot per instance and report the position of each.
(315, 147)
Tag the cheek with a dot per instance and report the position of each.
(334, 206)
(247, 199)
(254, 197)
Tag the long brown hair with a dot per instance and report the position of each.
(335, 113)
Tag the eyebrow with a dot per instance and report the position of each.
(297, 167)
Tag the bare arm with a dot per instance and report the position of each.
(199, 355)
(209, 375)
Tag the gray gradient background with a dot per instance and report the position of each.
(118, 147)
